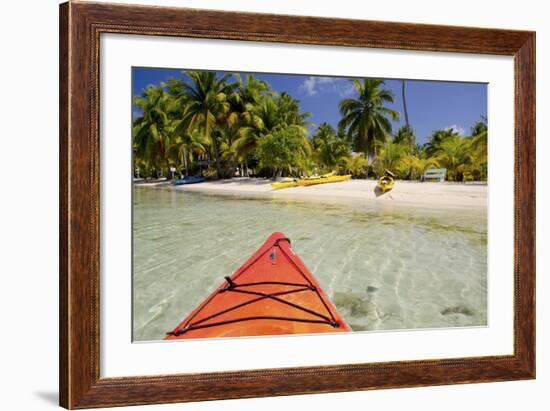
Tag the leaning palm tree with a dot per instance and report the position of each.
(366, 118)
(206, 106)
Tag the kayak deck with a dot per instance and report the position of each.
(385, 183)
(311, 181)
(273, 293)
(189, 180)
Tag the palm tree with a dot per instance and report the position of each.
(250, 91)
(206, 106)
(261, 119)
(185, 146)
(479, 149)
(455, 154)
(437, 138)
(389, 156)
(330, 150)
(406, 136)
(479, 137)
(366, 117)
(407, 129)
(418, 164)
(289, 111)
(270, 114)
(153, 131)
(405, 112)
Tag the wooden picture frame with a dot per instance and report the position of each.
(80, 27)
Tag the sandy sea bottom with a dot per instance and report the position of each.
(384, 268)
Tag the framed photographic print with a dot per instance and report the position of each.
(257, 205)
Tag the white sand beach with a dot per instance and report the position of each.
(406, 193)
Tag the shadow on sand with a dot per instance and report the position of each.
(243, 181)
(378, 191)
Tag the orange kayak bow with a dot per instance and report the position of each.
(272, 293)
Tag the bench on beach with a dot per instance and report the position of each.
(435, 174)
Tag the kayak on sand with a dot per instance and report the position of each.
(189, 180)
(328, 178)
(386, 182)
(272, 293)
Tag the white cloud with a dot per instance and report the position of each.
(460, 130)
(315, 85)
(309, 86)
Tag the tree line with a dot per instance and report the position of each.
(222, 125)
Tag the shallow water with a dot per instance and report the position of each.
(383, 268)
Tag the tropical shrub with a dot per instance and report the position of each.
(390, 157)
(210, 172)
(357, 166)
(455, 155)
(283, 152)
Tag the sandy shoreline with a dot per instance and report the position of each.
(406, 193)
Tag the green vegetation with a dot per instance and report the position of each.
(366, 118)
(223, 126)
(286, 150)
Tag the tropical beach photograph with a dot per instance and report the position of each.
(280, 204)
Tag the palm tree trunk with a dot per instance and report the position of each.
(169, 171)
(230, 169)
(218, 166)
(185, 162)
(216, 153)
(406, 113)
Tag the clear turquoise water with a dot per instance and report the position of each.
(384, 269)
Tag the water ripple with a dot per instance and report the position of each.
(383, 269)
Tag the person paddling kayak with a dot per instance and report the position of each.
(272, 293)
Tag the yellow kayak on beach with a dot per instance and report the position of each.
(286, 183)
(386, 182)
(323, 180)
(327, 178)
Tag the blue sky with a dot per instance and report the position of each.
(431, 105)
